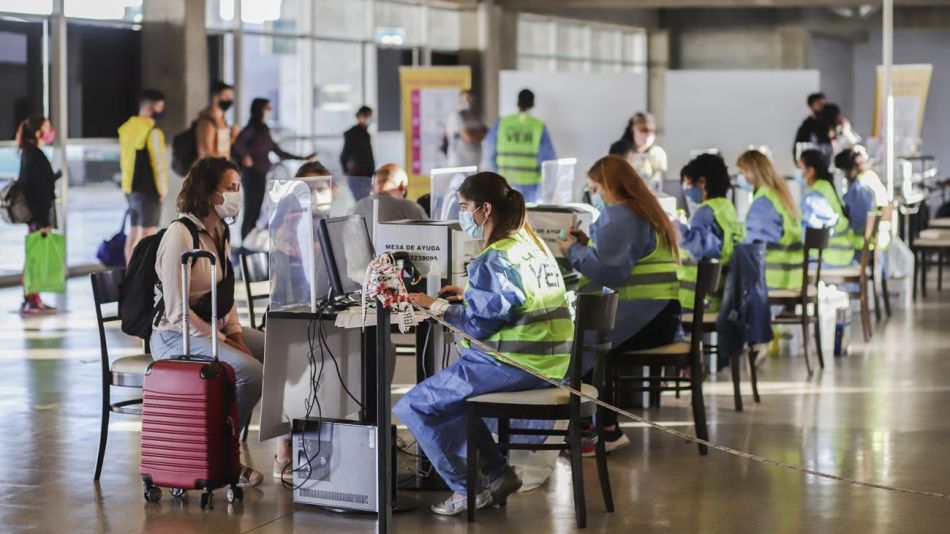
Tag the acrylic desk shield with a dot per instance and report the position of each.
(444, 186)
(298, 277)
(558, 181)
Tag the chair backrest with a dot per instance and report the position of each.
(870, 236)
(595, 315)
(105, 290)
(815, 239)
(707, 282)
(255, 266)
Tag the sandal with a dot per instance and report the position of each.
(249, 477)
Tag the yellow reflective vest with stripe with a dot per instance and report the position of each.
(783, 259)
(653, 277)
(540, 334)
(517, 146)
(732, 232)
(843, 242)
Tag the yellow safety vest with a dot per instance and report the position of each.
(783, 259)
(542, 333)
(732, 232)
(517, 147)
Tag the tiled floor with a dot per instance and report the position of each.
(879, 414)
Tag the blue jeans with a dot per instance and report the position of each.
(248, 370)
(435, 411)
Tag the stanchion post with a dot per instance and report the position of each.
(384, 496)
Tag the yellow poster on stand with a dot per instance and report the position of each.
(430, 95)
(910, 86)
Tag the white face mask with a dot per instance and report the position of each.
(267, 115)
(231, 206)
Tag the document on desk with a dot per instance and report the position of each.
(353, 318)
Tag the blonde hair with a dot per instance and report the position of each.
(622, 181)
(761, 169)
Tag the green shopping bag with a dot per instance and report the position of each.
(45, 269)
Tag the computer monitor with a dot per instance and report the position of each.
(347, 250)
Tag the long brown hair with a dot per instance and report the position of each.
(617, 176)
(201, 182)
(758, 165)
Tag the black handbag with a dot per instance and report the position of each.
(13, 206)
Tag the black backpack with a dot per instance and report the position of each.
(140, 295)
(185, 149)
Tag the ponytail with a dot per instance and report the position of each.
(27, 130)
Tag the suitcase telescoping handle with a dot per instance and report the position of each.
(185, 275)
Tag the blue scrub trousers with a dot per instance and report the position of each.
(435, 411)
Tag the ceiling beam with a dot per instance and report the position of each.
(590, 5)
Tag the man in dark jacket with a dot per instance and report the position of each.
(357, 156)
(812, 130)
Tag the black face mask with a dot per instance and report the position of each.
(225, 104)
(158, 115)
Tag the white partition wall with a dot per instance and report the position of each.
(731, 110)
(585, 112)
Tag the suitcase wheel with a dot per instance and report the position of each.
(178, 493)
(207, 500)
(153, 494)
(235, 494)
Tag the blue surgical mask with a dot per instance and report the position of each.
(694, 193)
(598, 202)
(799, 177)
(469, 226)
(744, 183)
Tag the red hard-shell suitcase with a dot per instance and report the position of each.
(189, 417)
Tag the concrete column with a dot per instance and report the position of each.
(498, 42)
(658, 62)
(175, 57)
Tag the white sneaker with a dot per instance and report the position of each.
(283, 470)
(457, 504)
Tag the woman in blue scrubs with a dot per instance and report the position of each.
(515, 302)
(713, 228)
(633, 250)
(859, 199)
(773, 219)
(823, 208)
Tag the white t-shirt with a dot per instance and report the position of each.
(872, 181)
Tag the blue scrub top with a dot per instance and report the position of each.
(621, 239)
(702, 237)
(763, 222)
(495, 291)
(817, 211)
(859, 199)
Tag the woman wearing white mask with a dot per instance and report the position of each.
(210, 196)
(515, 302)
(638, 146)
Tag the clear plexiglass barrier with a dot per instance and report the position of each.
(298, 274)
(557, 181)
(443, 191)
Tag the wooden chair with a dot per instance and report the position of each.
(805, 296)
(595, 317)
(929, 241)
(256, 274)
(128, 371)
(860, 274)
(677, 354)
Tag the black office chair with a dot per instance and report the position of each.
(677, 354)
(256, 274)
(807, 295)
(595, 317)
(128, 371)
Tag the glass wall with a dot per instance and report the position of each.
(556, 44)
